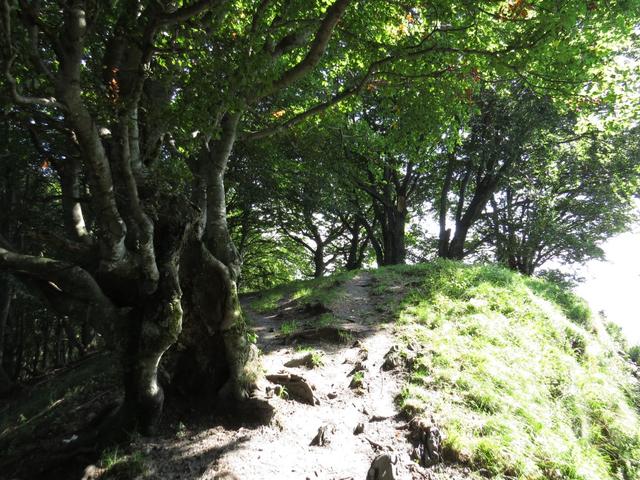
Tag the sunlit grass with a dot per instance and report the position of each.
(324, 290)
(121, 465)
(516, 375)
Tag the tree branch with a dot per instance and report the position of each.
(187, 12)
(67, 278)
(316, 50)
(21, 99)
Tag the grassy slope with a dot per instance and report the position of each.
(323, 290)
(523, 382)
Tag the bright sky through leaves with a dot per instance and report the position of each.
(614, 285)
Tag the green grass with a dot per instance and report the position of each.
(357, 381)
(317, 359)
(317, 356)
(121, 466)
(634, 354)
(516, 373)
(324, 290)
(289, 327)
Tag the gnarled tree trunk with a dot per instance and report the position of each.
(216, 357)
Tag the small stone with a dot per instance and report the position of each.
(322, 438)
(433, 447)
(225, 476)
(379, 417)
(363, 354)
(392, 359)
(296, 387)
(416, 454)
(92, 473)
(429, 440)
(359, 429)
(306, 361)
(358, 367)
(381, 468)
(332, 395)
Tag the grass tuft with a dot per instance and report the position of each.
(119, 466)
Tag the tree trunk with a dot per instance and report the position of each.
(18, 357)
(375, 243)
(216, 360)
(318, 260)
(357, 247)
(58, 361)
(456, 247)
(393, 233)
(86, 333)
(445, 233)
(150, 329)
(6, 294)
(484, 191)
(72, 338)
(45, 346)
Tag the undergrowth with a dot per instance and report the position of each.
(516, 373)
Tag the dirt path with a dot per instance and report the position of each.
(282, 450)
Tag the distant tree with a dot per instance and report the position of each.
(562, 204)
(497, 144)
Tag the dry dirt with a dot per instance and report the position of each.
(283, 450)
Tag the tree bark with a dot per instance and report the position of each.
(445, 233)
(357, 246)
(217, 360)
(151, 329)
(392, 222)
(318, 261)
(6, 293)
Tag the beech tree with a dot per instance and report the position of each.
(498, 141)
(156, 265)
(573, 194)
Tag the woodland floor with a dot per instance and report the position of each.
(282, 449)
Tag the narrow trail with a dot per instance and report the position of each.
(283, 450)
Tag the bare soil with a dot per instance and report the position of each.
(283, 449)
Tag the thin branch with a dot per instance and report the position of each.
(319, 108)
(21, 99)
